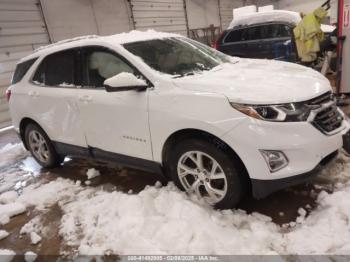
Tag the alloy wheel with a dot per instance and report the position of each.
(201, 174)
(38, 146)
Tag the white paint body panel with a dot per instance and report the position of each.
(198, 102)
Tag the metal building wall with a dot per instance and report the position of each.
(202, 13)
(309, 6)
(226, 11)
(22, 29)
(161, 15)
(71, 18)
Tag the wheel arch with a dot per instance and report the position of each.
(180, 135)
(22, 127)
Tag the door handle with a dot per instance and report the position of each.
(85, 98)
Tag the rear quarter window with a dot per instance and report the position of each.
(21, 70)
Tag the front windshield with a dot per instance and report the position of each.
(177, 56)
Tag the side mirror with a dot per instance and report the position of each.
(124, 82)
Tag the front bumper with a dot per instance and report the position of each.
(263, 188)
(305, 147)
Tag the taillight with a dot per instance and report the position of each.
(216, 44)
(8, 94)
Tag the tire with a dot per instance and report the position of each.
(45, 154)
(184, 154)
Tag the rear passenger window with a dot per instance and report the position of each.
(234, 36)
(275, 31)
(22, 69)
(251, 33)
(286, 31)
(57, 69)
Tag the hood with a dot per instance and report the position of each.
(254, 81)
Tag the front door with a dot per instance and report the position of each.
(115, 122)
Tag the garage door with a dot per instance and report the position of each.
(226, 11)
(22, 29)
(160, 15)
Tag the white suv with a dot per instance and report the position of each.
(217, 126)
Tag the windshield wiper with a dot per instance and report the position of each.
(182, 75)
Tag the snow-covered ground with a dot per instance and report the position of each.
(163, 220)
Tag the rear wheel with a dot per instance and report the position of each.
(40, 146)
(202, 168)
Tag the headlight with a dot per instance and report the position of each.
(292, 112)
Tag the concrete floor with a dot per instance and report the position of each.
(281, 206)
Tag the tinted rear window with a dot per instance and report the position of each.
(22, 69)
(251, 33)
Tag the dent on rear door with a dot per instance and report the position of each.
(57, 112)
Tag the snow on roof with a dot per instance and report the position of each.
(136, 36)
(265, 17)
(118, 39)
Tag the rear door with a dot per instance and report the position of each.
(276, 42)
(233, 45)
(251, 36)
(51, 97)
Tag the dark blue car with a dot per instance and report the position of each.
(272, 40)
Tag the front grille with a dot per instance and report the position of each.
(328, 119)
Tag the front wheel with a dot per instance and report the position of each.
(202, 168)
(40, 146)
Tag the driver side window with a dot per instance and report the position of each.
(100, 64)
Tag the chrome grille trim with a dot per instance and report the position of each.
(325, 116)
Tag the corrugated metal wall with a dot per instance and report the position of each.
(161, 15)
(226, 11)
(71, 18)
(22, 29)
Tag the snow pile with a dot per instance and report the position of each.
(136, 36)
(3, 234)
(6, 255)
(265, 17)
(9, 210)
(34, 225)
(11, 153)
(30, 165)
(30, 256)
(11, 175)
(92, 173)
(245, 10)
(8, 197)
(162, 221)
(34, 238)
(266, 8)
(45, 195)
(327, 229)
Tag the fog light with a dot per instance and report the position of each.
(276, 160)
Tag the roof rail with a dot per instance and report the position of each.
(66, 41)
